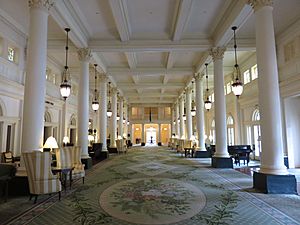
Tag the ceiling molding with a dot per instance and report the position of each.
(153, 95)
(121, 17)
(149, 71)
(150, 85)
(236, 14)
(150, 45)
(171, 60)
(131, 59)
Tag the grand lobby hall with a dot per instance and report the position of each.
(150, 112)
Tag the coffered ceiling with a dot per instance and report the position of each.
(151, 49)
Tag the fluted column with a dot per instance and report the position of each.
(35, 80)
(200, 111)
(121, 110)
(177, 122)
(113, 136)
(181, 112)
(125, 129)
(102, 111)
(64, 126)
(84, 56)
(189, 125)
(159, 133)
(238, 125)
(143, 133)
(268, 90)
(172, 121)
(220, 106)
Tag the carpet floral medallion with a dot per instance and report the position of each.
(152, 168)
(152, 200)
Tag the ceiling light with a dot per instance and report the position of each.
(95, 103)
(207, 102)
(65, 87)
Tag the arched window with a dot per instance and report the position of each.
(256, 115)
(47, 117)
(73, 120)
(230, 130)
(256, 133)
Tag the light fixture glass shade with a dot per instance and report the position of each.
(128, 122)
(65, 89)
(174, 122)
(184, 117)
(237, 88)
(193, 112)
(207, 104)
(124, 121)
(118, 117)
(66, 140)
(95, 105)
(109, 113)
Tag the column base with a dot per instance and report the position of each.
(143, 144)
(104, 154)
(221, 162)
(112, 150)
(286, 161)
(88, 162)
(202, 154)
(275, 184)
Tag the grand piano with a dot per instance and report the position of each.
(237, 152)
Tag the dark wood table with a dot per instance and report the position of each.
(63, 174)
(189, 152)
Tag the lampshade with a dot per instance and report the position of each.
(128, 122)
(118, 117)
(237, 88)
(90, 137)
(66, 140)
(124, 121)
(95, 105)
(65, 89)
(50, 143)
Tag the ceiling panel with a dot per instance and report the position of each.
(99, 18)
(151, 17)
(115, 59)
(187, 59)
(148, 59)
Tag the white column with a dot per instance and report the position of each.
(181, 112)
(237, 123)
(84, 56)
(172, 121)
(143, 133)
(200, 111)
(35, 81)
(269, 97)
(159, 133)
(177, 129)
(64, 127)
(102, 111)
(113, 136)
(220, 106)
(125, 129)
(189, 125)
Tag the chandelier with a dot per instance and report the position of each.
(65, 87)
(207, 102)
(95, 103)
(237, 86)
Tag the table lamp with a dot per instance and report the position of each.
(66, 140)
(50, 143)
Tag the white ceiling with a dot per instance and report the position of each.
(151, 49)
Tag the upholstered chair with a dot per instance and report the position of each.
(71, 157)
(40, 178)
(121, 148)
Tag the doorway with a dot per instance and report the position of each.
(151, 136)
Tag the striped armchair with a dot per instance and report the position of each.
(121, 146)
(71, 157)
(40, 178)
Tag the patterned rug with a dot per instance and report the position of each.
(158, 186)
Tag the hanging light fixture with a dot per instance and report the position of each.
(65, 87)
(237, 86)
(95, 103)
(193, 111)
(109, 111)
(184, 115)
(207, 103)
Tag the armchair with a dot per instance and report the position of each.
(71, 157)
(40, 178)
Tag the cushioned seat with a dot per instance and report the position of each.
(71, 157)
(40, 177)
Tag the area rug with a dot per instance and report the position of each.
(158, 186)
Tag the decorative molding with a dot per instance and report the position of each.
(198, 76)
(84, 54)
(41, 4)
(217, 53)
(257, 4)
(103, 78)
(114, 91)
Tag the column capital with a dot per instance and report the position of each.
(188, 90)
(103, 78)
(114, 91)
(84, 54)
(198, 76)
(121, 98)
(217, 53)
(41, 4)
(257, 4)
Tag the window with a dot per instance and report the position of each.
(230, 130)
(254, 72)
(247, 77)
(11, 54)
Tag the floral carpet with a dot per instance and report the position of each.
(158, 186)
